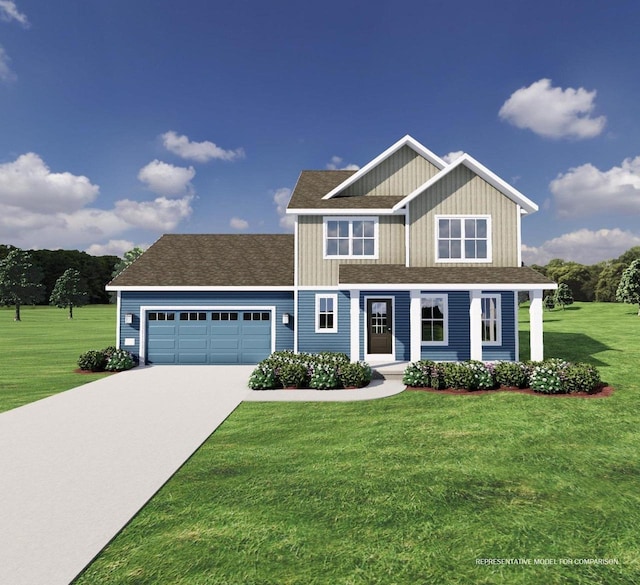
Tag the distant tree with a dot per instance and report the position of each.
(563, 295)
(69, 291)
(630, 255)
(19, 280)
(629, 287)
(579, 278)
(129, 258)
(549, 302)
(608, 282)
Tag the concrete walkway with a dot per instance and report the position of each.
(77, 466)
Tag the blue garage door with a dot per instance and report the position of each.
(208, 337)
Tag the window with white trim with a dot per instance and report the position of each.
(491, 320)
(350, 237)
(463, 239)
(326, 313)
(434, 319)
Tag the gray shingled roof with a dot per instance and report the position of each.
(213, 260)
(398, 274)
(312, 186)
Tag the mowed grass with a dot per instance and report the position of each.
(38, 355)
(412, 489)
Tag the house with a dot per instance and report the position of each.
(407, 258)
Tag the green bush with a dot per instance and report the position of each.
(263, 378)
(511, 374)
(354, 375)
(581, 378)
(481, 375)
(119, 361)
(92, 360)
(293, 375)
(546, 377)
(456, 375)
(416, 375)
(324, 377)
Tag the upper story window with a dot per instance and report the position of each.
(463, 238)
(350, 237)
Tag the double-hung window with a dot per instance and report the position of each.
(327, 313)
(350, 237)
(463, 238)
(491, 321)
(435, 328)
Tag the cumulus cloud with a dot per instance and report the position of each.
(583, 246)
(114, 248)
(6, 74)
(452, 156)
(166, 179)
(198, 151)
(9, 11)
(160, 214)
(553, 112)
(336, 165)
(281, 199)
(239, 224)
(587, 190)
(28, 183)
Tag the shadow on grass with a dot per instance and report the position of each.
(575, 347)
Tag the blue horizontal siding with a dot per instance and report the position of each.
(130, 302)
(310, 341)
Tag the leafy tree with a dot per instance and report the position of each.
(549, 302)
(629, 287)
(579, 278)
(69, 291)
(19, 280)
(563, 295)
(630, 255)
(129, 258)
(608, 282)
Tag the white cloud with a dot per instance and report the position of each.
(336, 165)
(198, 151)
(166, 179)
(6, 74)
(281, 199)
(583, 246)
(239, 224)
(553, 112)
(9, 11)
(160, 214)
(114, 248)
(29, 183)
(587, 190)
(452, 156)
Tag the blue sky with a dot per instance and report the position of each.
(123, 120)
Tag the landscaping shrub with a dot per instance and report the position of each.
(481, 375)
(354, 375)
(324, 377)
(119, 361)
(546, 377)
(263, 378)
(418, 374)
(456, 375)
(511, 374)
(581, 378)
(92, 360)
(293, 375)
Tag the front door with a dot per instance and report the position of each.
(379, 326)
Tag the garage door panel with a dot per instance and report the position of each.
(185, 357)
(228, 344)
(160, 357)
(202, 330)
(162, 343)
(189, 343)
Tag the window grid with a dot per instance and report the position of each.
(326, 314)
(434, 319)
(463, 238)
(491, 320)
(350, 238)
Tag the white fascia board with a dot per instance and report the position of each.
(526, 205)
(405, 141)
(343, 211)
(170, 289)
(440, 287)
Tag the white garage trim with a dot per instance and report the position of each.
(145, 308)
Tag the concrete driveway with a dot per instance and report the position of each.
(77, 466)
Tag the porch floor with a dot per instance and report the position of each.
(390, 369)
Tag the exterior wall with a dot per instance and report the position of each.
(463, 192)
(401, 322)
(400, 174)
(310, 341)
(459, 347)
(313, 270)
(132, 301)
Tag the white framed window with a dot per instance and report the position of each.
(491, 320)
(350, 237)
(434, 319)
(461, 238)
(326, 313)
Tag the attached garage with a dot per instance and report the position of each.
(221, 336)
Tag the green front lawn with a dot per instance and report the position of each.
(412, 489)
(39, 353)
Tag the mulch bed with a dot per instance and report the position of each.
(604, 392)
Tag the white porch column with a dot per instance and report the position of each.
(354, 313)
(415, 325)
(535, 324)
(475, 324)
